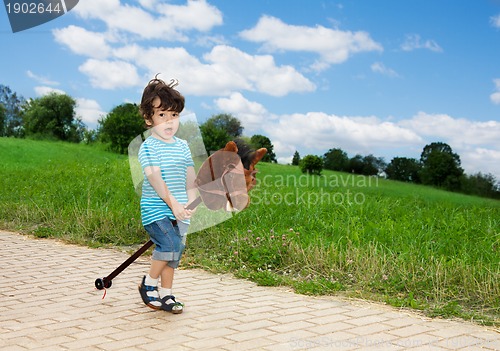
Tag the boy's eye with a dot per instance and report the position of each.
(173, 114)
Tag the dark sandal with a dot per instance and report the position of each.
(174, 307)
(148, 300)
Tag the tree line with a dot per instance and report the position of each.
(438, 166)
(53, 117)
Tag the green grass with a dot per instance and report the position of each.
(402, 244)
(74, 192)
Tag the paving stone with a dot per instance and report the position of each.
(63, 310)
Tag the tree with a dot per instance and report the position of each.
(366, 165)
(356, 164)
(52, 116)
(11, 119)
(3, 118)
(89, 136)
(375, 164)
(213, 137)
(120, 127)
(190, 131)
(440, 166)
(480, 184)
(218, 130)
(227, 122)
(404, 169)
(311, 164)
(259, 141)
(296, 159)
(336, 160)
(370, 165)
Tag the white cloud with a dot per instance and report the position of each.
(495, 97)
(96, 8)
(332, 45)
(258, 72)
(252, 114)
(321, 131)
(218, 72)
(196, 14)
(149, 4)
(225, 69)
(482, 160)
(126, 18)
(129, 52)
(210, 41)
(495, 21)
(152, 20)
(44, 90)
(379, 67)
(458, 131)
(41, 79)
(195, 77)
(90, 111)
(82, 42)
(110, 74)
(414, 42)
(284, 151)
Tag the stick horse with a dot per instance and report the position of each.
(223, 181)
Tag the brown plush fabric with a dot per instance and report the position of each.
(222, 178)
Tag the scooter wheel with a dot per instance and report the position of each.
(99, 283)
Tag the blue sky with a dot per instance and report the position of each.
(383, 77)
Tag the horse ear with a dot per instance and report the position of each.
(258, 155)
(231, 146)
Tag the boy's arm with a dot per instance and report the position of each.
(154, 176)
(190, 185)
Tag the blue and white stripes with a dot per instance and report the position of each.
(173, 160)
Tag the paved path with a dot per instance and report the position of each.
(48, 302)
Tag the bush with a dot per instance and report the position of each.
(120, 127)
(311, 164)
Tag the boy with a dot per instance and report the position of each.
(168, 186)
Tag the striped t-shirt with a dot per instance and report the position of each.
(173, 160)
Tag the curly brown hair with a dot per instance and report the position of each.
(170, 99)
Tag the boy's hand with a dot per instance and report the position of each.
(189, 213)
(180, 211)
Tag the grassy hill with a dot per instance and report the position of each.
(403, 244)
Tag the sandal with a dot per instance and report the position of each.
(149, 295)
(169, 304)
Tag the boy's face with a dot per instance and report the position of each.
(165, 122)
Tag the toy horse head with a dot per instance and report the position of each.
(249, 158)
(225, 178)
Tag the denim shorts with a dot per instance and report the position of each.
(169, 240)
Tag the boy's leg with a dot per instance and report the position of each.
(149, 285)
(166, 238)
(157, 268)
(168, 300)
(167, 277)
